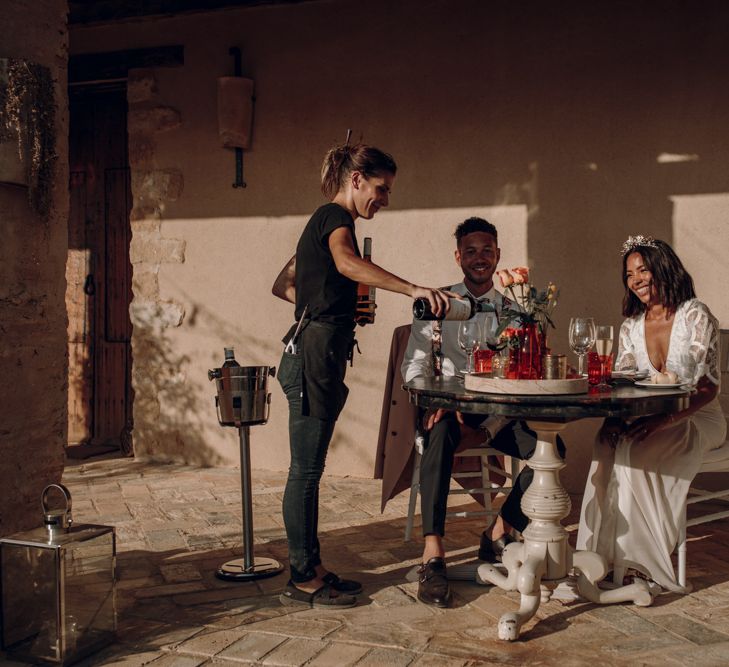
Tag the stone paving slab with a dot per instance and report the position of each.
(295, 652)
(177, 524)
(253, 647)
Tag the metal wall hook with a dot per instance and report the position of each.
(237, 71)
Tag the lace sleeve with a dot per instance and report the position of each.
(627, 359)
(703, 343)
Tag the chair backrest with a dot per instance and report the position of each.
(724, 367)
(393, 460)
(717, 460)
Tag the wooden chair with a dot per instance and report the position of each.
(716, 460)
(485, 489)
(399, 446)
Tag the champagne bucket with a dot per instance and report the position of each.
(243, 401)
(243, 397)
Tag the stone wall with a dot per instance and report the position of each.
(156, 378)
(33, 358)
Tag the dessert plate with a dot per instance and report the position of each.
(647, 384)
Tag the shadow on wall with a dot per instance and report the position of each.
(249, 349)
(174, 410)
(168, 418)
(264, 350)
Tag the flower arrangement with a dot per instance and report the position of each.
(536, 307)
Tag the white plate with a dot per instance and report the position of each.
(649, 385)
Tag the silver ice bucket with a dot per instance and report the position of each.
(243, 397)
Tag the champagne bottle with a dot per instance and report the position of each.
(365, 312)
(230, 361)
(461, 308)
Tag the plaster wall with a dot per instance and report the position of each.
(569, 127)
(33, 358)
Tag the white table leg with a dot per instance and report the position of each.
(592, 568)
(545, 553)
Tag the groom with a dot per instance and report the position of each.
(433, 350)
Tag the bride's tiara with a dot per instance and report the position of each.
(639, 241)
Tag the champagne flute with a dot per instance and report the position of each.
(582, 338)
(469, 336)
(603, 347)
(603, 339)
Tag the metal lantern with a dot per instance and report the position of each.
(57, 587)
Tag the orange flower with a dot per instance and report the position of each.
(505, 277)
(521, 275)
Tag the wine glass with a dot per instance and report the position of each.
(469, 336)
(495, 345)
(582, 338)
(604, 347)
(490, 327)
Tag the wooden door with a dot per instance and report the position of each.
(99, 272)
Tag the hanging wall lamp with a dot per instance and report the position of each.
(235, 114)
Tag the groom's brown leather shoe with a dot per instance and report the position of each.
(433, 586)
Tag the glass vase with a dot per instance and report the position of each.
(530, 352)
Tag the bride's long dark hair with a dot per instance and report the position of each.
(672, 281)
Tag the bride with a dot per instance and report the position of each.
(641, 471)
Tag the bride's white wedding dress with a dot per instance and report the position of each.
(636, 492)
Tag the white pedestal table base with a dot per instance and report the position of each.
(544, 559)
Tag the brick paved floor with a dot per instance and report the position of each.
(175, 525)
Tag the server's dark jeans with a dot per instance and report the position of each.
(309, 441)
(437, 464)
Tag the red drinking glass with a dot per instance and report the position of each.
(594, 368)
(599, 369)
(482, 360)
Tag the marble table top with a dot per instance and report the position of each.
(623, 400)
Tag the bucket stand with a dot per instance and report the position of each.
(249, 567)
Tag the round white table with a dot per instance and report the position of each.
(544, 559)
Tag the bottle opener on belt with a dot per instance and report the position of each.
(291, 347)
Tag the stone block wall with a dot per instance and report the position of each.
(155, 374)
(33, 357)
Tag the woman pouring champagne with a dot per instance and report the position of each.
(321, 280)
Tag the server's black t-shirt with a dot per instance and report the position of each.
(331, 296)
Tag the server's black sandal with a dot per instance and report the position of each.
(321, 597)
(348, 586)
